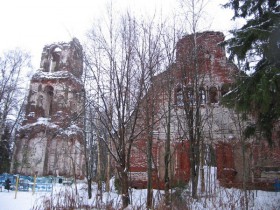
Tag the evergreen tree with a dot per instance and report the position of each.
(257, 45)
(5, 150)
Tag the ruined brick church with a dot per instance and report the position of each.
(215, 74)
(220, 127)
(50, 141)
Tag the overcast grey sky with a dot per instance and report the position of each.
(31, 24)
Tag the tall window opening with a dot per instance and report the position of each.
(213, 95)
(190, 95)
(179, 97)
(40, 88)
(55, 59)
(49, 99)
(202, 95)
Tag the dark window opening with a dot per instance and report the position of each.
(213, 95)
(190, 96)
(40, 88)
(49, 99)
(55, 59)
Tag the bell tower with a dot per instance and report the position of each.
(50, 142)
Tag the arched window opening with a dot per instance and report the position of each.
(187, 95)
(40, 88)
(213, 95)
(179, 97)
(49, 99)
(190, 95)
(225, 89)
(55, 59)
(202, 95)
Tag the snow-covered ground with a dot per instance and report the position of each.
(61, 195)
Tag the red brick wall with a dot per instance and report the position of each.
(182, 168)
(225, 162)
(262, 165)
(179, 162)
(211, 57)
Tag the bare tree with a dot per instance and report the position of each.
(88, 142)
(190, 65)
(120, 88)
(169, 38)
(14, 66)
(149, 56)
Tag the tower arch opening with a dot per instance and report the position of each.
(55, 59)
(49, 90)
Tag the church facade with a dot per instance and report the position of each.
(192, 89)
(182, 85)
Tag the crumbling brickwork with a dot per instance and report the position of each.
(63, 57)
(211, 60)
(259, 167)
(50, 141)
(202, 56)
(215, 75)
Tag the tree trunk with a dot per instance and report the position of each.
(99, 182)
(149, 182)
(124, 186)
(167, 155)
(87, 159)
(194, 169)
(89, 187)
(244, 177)
(108, 172)
(202, 168)
(166, 173)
